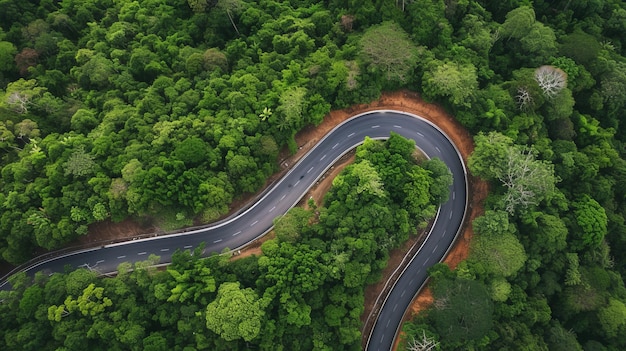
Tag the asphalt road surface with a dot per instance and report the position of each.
(244, 227)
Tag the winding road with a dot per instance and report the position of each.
(257, 220)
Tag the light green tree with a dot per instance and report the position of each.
(388, 49)
(236, 313)
(518, 22)
(80, 163)
(456, 81)
(613, 318)
(91, 302)
(7, 54)
(591, 221)
(21, 94)
(502, 255)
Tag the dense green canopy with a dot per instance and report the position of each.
(167, 111)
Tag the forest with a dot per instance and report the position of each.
(173, 109)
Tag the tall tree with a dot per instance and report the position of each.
(236, 313)
(463, 310)
(458, 82)
(388, 49)
(526, 179)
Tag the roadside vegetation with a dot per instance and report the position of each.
(174, 109)
(306, 290)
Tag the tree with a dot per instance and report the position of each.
(292, 105)
(526, 179)
(289, 227)
(192, 151)
(458, 82)
(21, 95)
(198, 6)
(231, 6)
(442, 179)
(493, 223)
(6, 137)
(418, 198)
(524, 99)
(540, 41)
(463, 310)
(613, 318)
(191, 280)
(551, 80)
(560, 339)
(96, 71)
(501, 255)
(236, 313)
(26, 59)
(80, 163)
(91, 302)
(389, 50)
(27, 128)
(423, 343)
(155, 342)
(83, 121)
(591, 223)
(428, 23)
(213, 59)
(518, 22)
(7, 53)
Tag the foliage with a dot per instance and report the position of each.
(389, 50)
(526, 179)
(305, 291)
(235, 313)
(463, 311)
(452, 80)
(154, 109)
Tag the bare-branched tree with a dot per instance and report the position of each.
(524, 99)
(525, 178)
(551, 80)
(425, 343)
(19, 102)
